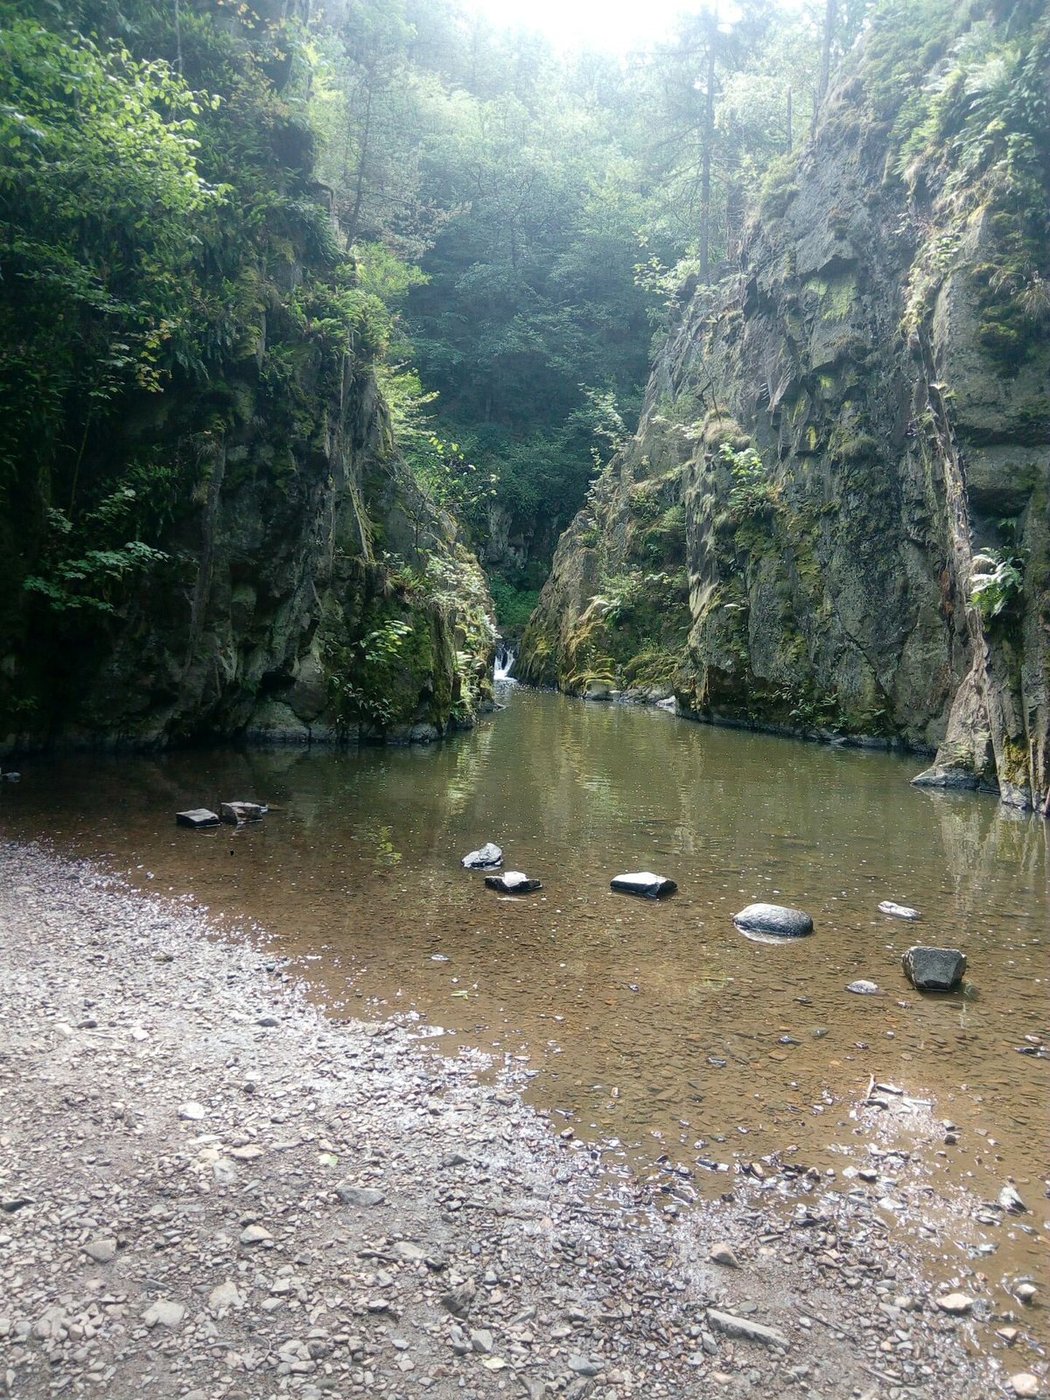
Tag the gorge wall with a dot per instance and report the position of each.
(206, 529)
(833, 518)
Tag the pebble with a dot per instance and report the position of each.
(192, 1111)
(722, 1254)
(863, 988)
(164, 1313)
(360, 1195)
(1025, 1384)
(255, 1234)
(956, 1304)
(102, 1250)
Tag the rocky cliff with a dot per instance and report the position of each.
(833, 518)
(306, 589)
(206, 529)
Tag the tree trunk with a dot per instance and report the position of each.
(830, 25)
(705, 168)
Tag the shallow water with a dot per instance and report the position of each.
(654, 1023)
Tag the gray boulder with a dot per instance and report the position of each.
(775, 919)
(934, 969)
(197, 817)
(512, 882)
(489, 857)
(644, 883)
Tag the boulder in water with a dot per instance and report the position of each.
(934, 969)
(489, 857)
(645, 883)
(775, 919)
(899, 911)
(197, 817)
(512, 882)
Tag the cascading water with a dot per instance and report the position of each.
(504, 664)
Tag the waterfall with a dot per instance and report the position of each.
(504, 664)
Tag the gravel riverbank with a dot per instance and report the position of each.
(210, 1190)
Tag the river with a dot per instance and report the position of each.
(656, 1024)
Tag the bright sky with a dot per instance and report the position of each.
(609, 24)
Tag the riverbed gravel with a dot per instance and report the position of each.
(208, 1189)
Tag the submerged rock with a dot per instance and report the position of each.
(512, 882)
(196, 817)
(899, 911)
(237, 812)
(863, 988)
(775, 919)
(644, 883)
(489, 857)
(934, 969)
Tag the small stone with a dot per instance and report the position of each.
(193, 1112)
(722, 1254)
(583, 1366)
(899, 911)
(487, 857)
(227, 1295)
(237, 812)
(360, 1195)
(481, 1339)
(644, 883)
(164, 1313)
(1011, 1201)
(197, 817)
(255, 1234)
(1008, 1334)
(1024, 1383)
(956, 1304)
(102, 1249)
(863, 988)
(512, 882)
(411, 1253)
(268, 1021)
(1025, 1292)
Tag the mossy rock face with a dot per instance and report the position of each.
(830, 592)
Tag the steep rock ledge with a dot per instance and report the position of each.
(841, 446)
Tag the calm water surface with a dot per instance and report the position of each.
(657, 1024)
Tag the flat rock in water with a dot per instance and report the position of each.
(237, 812)
(512, 882)
(775, 919)
(645, 883)
(489, 857)
(197, 817)
(899, 911)
(863, 988)
(933, 969)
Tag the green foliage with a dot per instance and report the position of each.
(514, 606)
(751, 492)
(996, 582)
